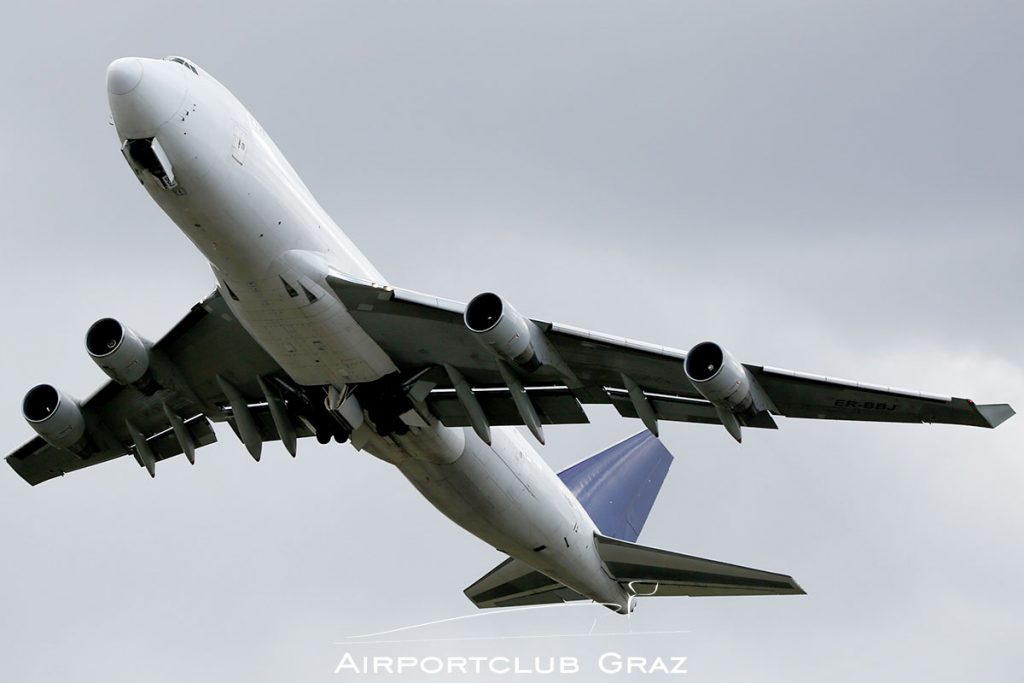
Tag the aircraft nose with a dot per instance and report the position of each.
(144, 94)
(123, 75)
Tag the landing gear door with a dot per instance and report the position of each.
(238, 145)
(146, 156)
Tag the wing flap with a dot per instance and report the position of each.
(554, 405)
(265, 424)
(671, 408)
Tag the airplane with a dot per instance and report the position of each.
(304, 337)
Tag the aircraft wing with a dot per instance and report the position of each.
(472, 386)
(202, 366)
(208, 368)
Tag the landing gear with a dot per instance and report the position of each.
(307, 403)
(385, 400)
(388, 424)
(333, 431)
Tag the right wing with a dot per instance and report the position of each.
(641, 380)
(203, 359)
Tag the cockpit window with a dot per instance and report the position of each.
(184, 63)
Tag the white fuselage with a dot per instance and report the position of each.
(271, 246)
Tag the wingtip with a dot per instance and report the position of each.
(996, 414)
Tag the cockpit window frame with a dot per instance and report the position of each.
(185, 63)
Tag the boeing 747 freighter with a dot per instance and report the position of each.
(303, 337)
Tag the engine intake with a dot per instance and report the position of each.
(719, 377)
(119, 352)
(502, 329)
(55, 416)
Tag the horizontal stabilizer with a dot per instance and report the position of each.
(650, 571)
(617, 487)
(514, 583)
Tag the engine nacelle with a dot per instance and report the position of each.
(502, 329)
(719, 377)
(119, 352)
(54, 415)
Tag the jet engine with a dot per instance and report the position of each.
(119, 352)
(502, 329)
(719, 377)
(55, 416)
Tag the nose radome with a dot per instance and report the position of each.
(124, 75)
(144, 94)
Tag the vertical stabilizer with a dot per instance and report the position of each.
(617, 487)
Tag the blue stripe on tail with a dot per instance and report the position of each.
(617, 487)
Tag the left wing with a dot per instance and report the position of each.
(491, 366)
(207, 368)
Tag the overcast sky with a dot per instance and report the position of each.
(830, 187)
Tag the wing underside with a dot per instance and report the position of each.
(208, 369)
(640, 380)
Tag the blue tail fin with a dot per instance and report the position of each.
(617, 487)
